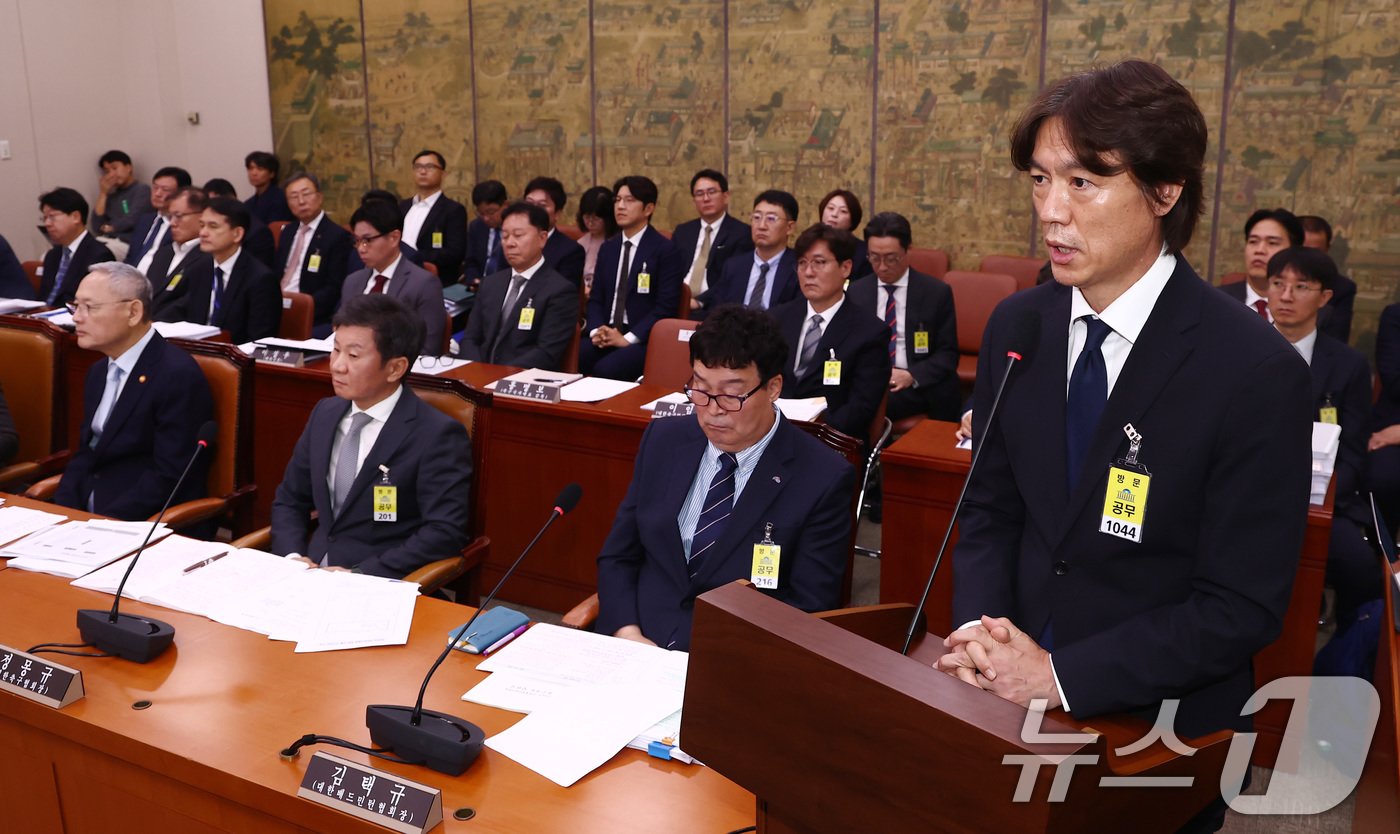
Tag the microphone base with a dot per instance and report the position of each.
(443, 742)
(138, 639)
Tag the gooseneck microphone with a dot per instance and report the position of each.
(444, 742)
(129, 636)
(1025, 333)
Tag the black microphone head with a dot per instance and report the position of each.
(568, 499)
(208, 433)
(1025, 333)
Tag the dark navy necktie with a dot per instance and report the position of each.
(714, 517)
(1088, 391)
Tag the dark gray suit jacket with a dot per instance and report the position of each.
(418, 290)
(494, 335)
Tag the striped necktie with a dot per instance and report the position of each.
(719, 504)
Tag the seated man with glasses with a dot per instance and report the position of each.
(1300, 283)
(377, 228)
(769, 278)
(143, 404)
(733, 491)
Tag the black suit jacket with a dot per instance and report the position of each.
(861, 343)
(1386, 411)
(90, 251)
(478, 236)
(799, 486)
(661, 260)
(14, 283)
(1334, 318)
(1342, 379)
(148, 439)
(928, 307)
(555, 301)
(142, 228)
(252, 304)
(733, 237)
(270, 206)
(170, 286)
(447, 218)
(258, 242)
(565, 256)
(1223, 406)
(333, 244)
(429, 457)
(733, 284)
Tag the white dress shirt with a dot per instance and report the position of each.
(416, 215)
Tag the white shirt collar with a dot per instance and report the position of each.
(1128, 313)
(828, 314)
(127, 361)
(227, 266)
(380, 411)
(901, 281)
(429, 200)
(73, 247)
(183, 249)
(637, 238)
(316, 222)
(392, 269)
(1306, 345)
(529, 272)
(1250, 296)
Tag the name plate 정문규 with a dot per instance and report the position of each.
(39, 680)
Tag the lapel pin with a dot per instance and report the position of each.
(141, 378)
(777, 479)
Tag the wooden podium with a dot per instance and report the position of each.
(834, 730)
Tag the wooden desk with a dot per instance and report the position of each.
(204, 757)
(922, 474)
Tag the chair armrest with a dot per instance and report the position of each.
(583, 615)
(32, 470)
(256, 540)
(185, 515)
(434, 575)
(45, 489)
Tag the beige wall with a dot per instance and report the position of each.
(69, 93)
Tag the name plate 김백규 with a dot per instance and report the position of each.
(376, 796)
(39, 680)
(547, 392)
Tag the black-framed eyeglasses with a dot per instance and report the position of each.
(726, 402)
(366, 240)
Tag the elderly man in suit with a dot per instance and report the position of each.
(842, 352)
(1075, 582)
(433, 223)
(636, 284)
(65, 216)
(143, 404)
(918, 310)
(712, 237)
(710, 489)
(378, 227)
(231, 289)
(524, 315)
(375, 434)
(562, 253)
(313, 254)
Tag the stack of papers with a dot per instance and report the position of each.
(806, 410)
(306, 345)
(1326, 437)
(185, 330)
(79, 547)
(588, 696)
(19, 305)
(592, 389)
(18, 522)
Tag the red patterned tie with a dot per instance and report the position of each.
(379, 281)
(1263, 307)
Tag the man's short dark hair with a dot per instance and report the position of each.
(841, 242)
(441, 161)
(113, 156)
(734, 336)
(265, 161)
(782, 199)
(1310, 265)
(890, 224)
(710, 174)
(398, 331)
(553, 188)
(642, 188)
(384, 216)
(597, 201)
(1316, 225)
(852, 205)
(1282, 216)
(1136, 113)
(65, 200)
(489, 191)
(180, 175)
(233, 211)
(537, 216)
(304, 175)
(382, 195)
(198, 198)
(220, 187)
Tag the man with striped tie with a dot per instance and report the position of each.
(732, 491)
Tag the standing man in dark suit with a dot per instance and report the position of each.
(180, 258)
(375, 434)
(74, 251)
(258, 242)
(841, 351)
(1335, 318)
(710, 489)
(152, 229)
(378, 227)
(712, 237)
(769, 277)
(268, 203)
(230, 290)
(918, 310)
(1300, 285)
(562, 253)
(433, 223)
(143, 404)
(313, 254)
(484, 233)
(637, 283)
(524, 315)
(1141, 374)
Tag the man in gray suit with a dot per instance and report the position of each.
(376, 228)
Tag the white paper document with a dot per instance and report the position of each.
(319, 345)
(160, 565)
(1326, 438)
(355, 610)
(79, 547)
(807, 409)
(592, 389)
(185, 330)
(18, 305)
(18, 522)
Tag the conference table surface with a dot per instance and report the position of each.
(204, 755)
